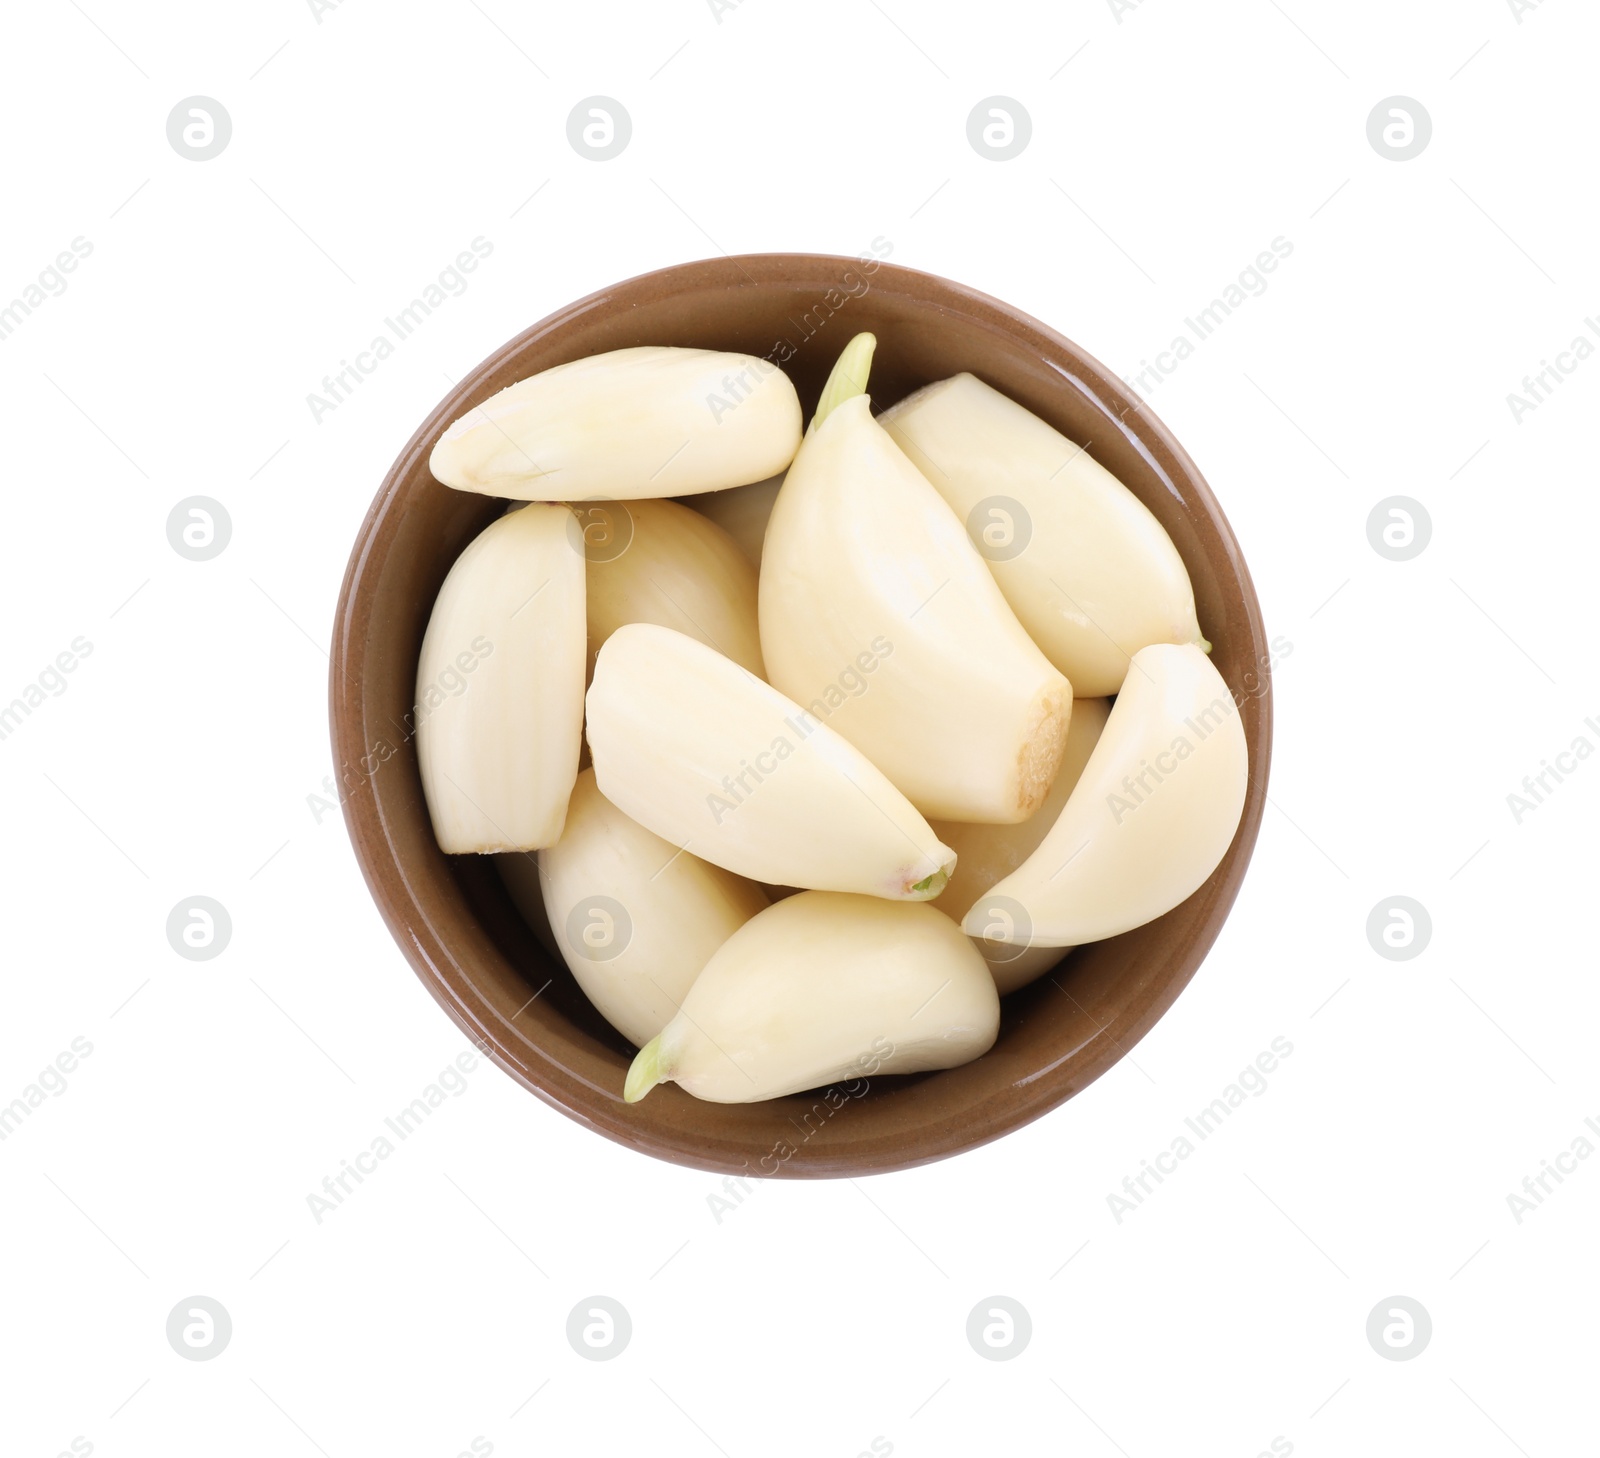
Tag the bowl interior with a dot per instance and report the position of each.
(451, 915)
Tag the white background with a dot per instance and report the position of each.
(1170, 145)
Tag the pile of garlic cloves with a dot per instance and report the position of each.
(804, 748)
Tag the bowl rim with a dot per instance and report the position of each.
(426, 948)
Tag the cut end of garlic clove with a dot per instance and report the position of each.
(645, 1072)
(1039, 760)
(848, 377)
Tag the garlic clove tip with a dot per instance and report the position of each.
(645, 1072)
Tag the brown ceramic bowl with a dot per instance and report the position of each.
(451, 915)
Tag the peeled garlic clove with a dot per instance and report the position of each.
(659, 562)
(880, 617)
(987, 854)
(500, 686)
(742, 512)
(709, 757)
(819, 989)
(635, 918)
(1151, 816)
(644, 422)
(1086, 567)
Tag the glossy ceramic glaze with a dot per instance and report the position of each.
(451, 916)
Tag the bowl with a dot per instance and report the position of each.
(453, 918)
